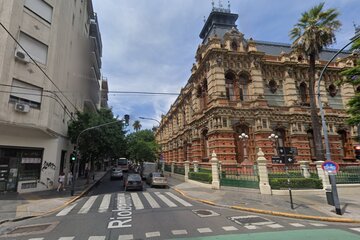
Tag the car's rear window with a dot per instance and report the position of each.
(158, 175)
(134, 177)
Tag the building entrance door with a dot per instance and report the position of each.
(4, 173)
(8, 170)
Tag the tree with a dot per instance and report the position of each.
(142, 146)
(314, 31)
(137, 126)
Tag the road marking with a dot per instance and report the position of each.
(318, 224)
(165, 200)
(204, 230)
(137, 202)
(126, 237)
(87, 205)
(97, 238)
(151, 200)
(230, 228)
(179, 232)
(297, 225)
(152, 234)
(105, 203)
(250, 227)
(36, 238)
(355, 229)
(66, 210)
(66, 238)
(275, 226)
(183, 202)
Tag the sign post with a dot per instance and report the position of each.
(332, 168)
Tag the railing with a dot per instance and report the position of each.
(179, 168)
(239, 176)
(348, 174)
(167, 167)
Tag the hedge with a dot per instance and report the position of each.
(296, 183)
(201, 176)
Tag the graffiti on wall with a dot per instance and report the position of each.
(48, 165)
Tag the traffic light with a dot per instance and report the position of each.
(357, 152)
(126, 119)
(73, 156)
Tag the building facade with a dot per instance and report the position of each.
(50, 60)
(253, 88)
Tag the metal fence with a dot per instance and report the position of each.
(239, 176)
(179, 169)
(348, 174)
(290, 171)
(167, 167)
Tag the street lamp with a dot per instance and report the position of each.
(273, 137)
(244, 138)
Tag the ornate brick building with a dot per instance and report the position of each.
(259, 88)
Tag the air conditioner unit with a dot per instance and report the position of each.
(21, 107)
(21, 56)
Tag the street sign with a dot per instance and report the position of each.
(330, 167)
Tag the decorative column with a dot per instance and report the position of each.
(304, 166)
(187, 168)
(215, 171)
(323, 175)
(220, 169)
(196, 166)
(264, 185)
(172, 167)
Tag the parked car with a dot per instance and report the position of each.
(156, 179)
(133, 181)
(116, 174)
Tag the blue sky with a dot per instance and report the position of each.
(149, 45)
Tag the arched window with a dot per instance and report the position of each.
(332, 90)
(272, 86)
(357, 89)
(243, 87)
(229, 85)
(303, 92)
(310, 136)
(234, 46)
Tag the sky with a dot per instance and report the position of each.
(150, 45)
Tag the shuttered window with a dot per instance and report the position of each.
(37, 50)
(25, 93)
(40, 8)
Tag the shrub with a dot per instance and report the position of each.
(201, 176)
(296, 183)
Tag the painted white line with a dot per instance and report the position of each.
(318, 224)
(179, 232)
(66, 238)
(136, 200)
(152, 234)
(275, 226)
(151, 200)
(66, 210)
(126, 237)
(97, 238)
(204, 230)
(250, 227)
(105, 203)
(297, 224)
(36, 238)
(87, 205)
(183, 202)
(355, 229)
(165, 200)
(230, 228)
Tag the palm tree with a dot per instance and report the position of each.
(136, 125)
(314, 31)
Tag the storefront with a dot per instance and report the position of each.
(19, 164)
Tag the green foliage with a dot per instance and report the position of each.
(201, 176)
(136, 125)
(142, 146)
(296, 183)
(99, 143)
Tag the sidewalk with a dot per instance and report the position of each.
(310, 205)
(14, 206)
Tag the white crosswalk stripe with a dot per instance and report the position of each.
(165, 200)
(126, 237)
(179, 232)
(318, 224)
(183, 202)
(97, 238)
(297, 224)
(275, 225)
(250, 227)
(230, 228)
(355, 229)
(66, 210)
(66, 238)
(86, 207)
(105, 203)
(137, 202)
(151, 200)
(152, 234)
(36, 238)
(204, 230)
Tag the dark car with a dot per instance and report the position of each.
(133, 181)
(156, 179)
(116, 174)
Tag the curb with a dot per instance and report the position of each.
(274, 213)
(85, 191)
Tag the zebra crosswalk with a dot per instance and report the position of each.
(140, 201)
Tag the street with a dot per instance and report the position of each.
(156, 213)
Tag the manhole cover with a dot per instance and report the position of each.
(251, 220)
(32, 229)
(205, 213)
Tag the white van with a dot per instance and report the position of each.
(147, 168)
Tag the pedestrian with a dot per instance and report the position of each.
(69, 178)
(61, 181)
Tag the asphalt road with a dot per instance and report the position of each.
(108, 212)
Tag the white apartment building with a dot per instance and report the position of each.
(37, 99)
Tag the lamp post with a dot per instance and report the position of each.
(244, 138)
(274, 138)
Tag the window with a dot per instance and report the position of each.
(311, 143)
(234, 46)
(264, 123)
(303, 92)
(229, 85)
(332, 90)
(243, 87)
(22, 92)
(272, 86)
(40, 8)
(37, 50)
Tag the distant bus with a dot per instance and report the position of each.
(123, 164)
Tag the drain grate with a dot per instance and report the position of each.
(205, 213)
(250, 220)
